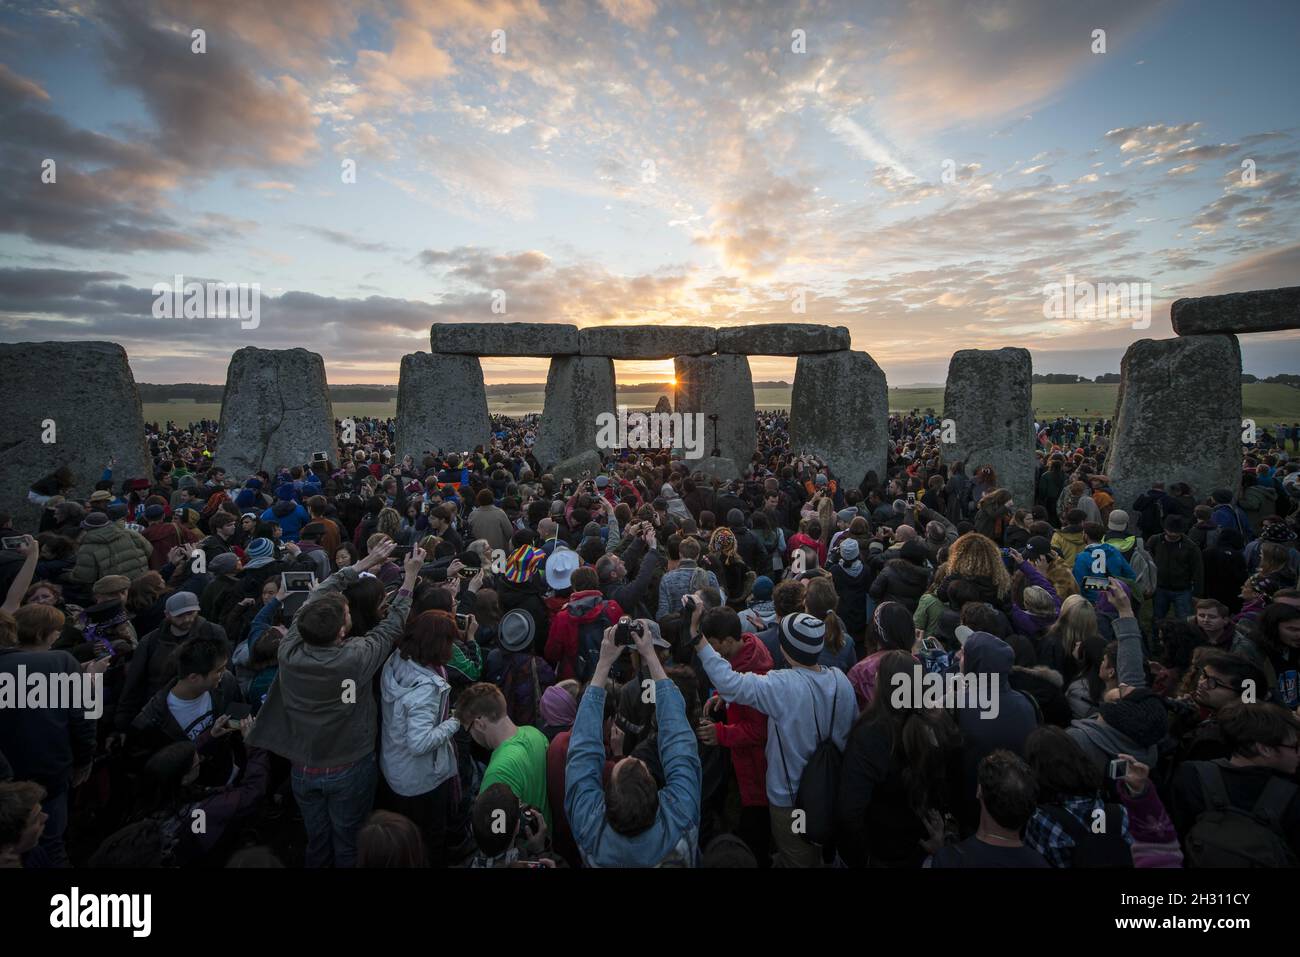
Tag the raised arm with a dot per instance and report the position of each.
(754, 690)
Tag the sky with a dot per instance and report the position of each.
(920, 172)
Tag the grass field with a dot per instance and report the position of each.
(1269, 403)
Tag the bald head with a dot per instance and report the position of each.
(905, 533)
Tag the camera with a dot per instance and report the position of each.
(688, 607)
(462, 622)
(467, 572)
(627, 631)
(1117, 769)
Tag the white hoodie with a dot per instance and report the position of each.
(416, 753)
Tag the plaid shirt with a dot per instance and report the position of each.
(1048, 838)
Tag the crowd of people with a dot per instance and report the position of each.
(466, 660)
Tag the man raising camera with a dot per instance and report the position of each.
(630, 822)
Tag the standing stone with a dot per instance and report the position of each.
(839, 410)
(504, 338)
(663, 405)
(719, 386)
(783, 339)
(441, 405)
(1260, 310)
(989, 400)
(275, 411)
(583, 465)
(86, 393)
(578, 389)
(1177, 417)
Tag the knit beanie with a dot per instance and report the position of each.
(803, 637)
(1141, 717)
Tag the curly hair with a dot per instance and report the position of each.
(974, 556)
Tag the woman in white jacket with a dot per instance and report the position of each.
(417, 755)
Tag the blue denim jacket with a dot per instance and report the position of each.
(673, 838)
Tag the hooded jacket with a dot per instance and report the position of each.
(852, 582)
(1069, 541)
(164, 536)
(111, 550)
(900, 581)
(151, 666)
(1016, 715)
(290, 516)
(416, 751)
(1258, 501)
(562, 643)
(745, 730)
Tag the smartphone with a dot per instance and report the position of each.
(400, 553)
(320, 457)
(1117, 769)
(298, 581)
(932, 644)
(12, 542)
(1095, 583)
(462, 622)
(237, 712)
(911, 500)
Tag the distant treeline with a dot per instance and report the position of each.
(1065, 378)
(201, 392)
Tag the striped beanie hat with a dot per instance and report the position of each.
(523, 564)
(803, 637)
(259, 552)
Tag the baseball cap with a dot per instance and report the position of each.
(1037, 547)
(1118, 521)
(182, 603)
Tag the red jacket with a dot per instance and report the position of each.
(562, 641)
(164, 536)
(745, 732)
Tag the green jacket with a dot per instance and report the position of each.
(111, 550)
(321, 710)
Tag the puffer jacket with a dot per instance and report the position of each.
(416, 751)
(111, 550)
(901, 581)
(745, 730)
(1257, 502)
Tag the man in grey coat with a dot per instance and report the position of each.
(321, 711)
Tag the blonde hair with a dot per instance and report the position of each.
(390, 523)
(1037, 601)
(1078, 622)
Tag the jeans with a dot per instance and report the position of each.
(1182, 602)
(334, 805)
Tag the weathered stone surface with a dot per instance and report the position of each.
(88, 391)
(722, 469)
(578, 389)
(721, 386)
(504, 338)
(989, 398)
(275, 411)
(441, 405)
(783, 339)
(647, 342)
(839, 410)
(588, 462)
(1177, 417)
(1260, 310)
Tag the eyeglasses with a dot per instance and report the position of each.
(1212, 682)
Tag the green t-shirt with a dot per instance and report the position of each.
(520, 764)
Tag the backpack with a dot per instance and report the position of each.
(1092, 849)
(590, 635)
(1227, 836)
(819, 786)
(1144, 569)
